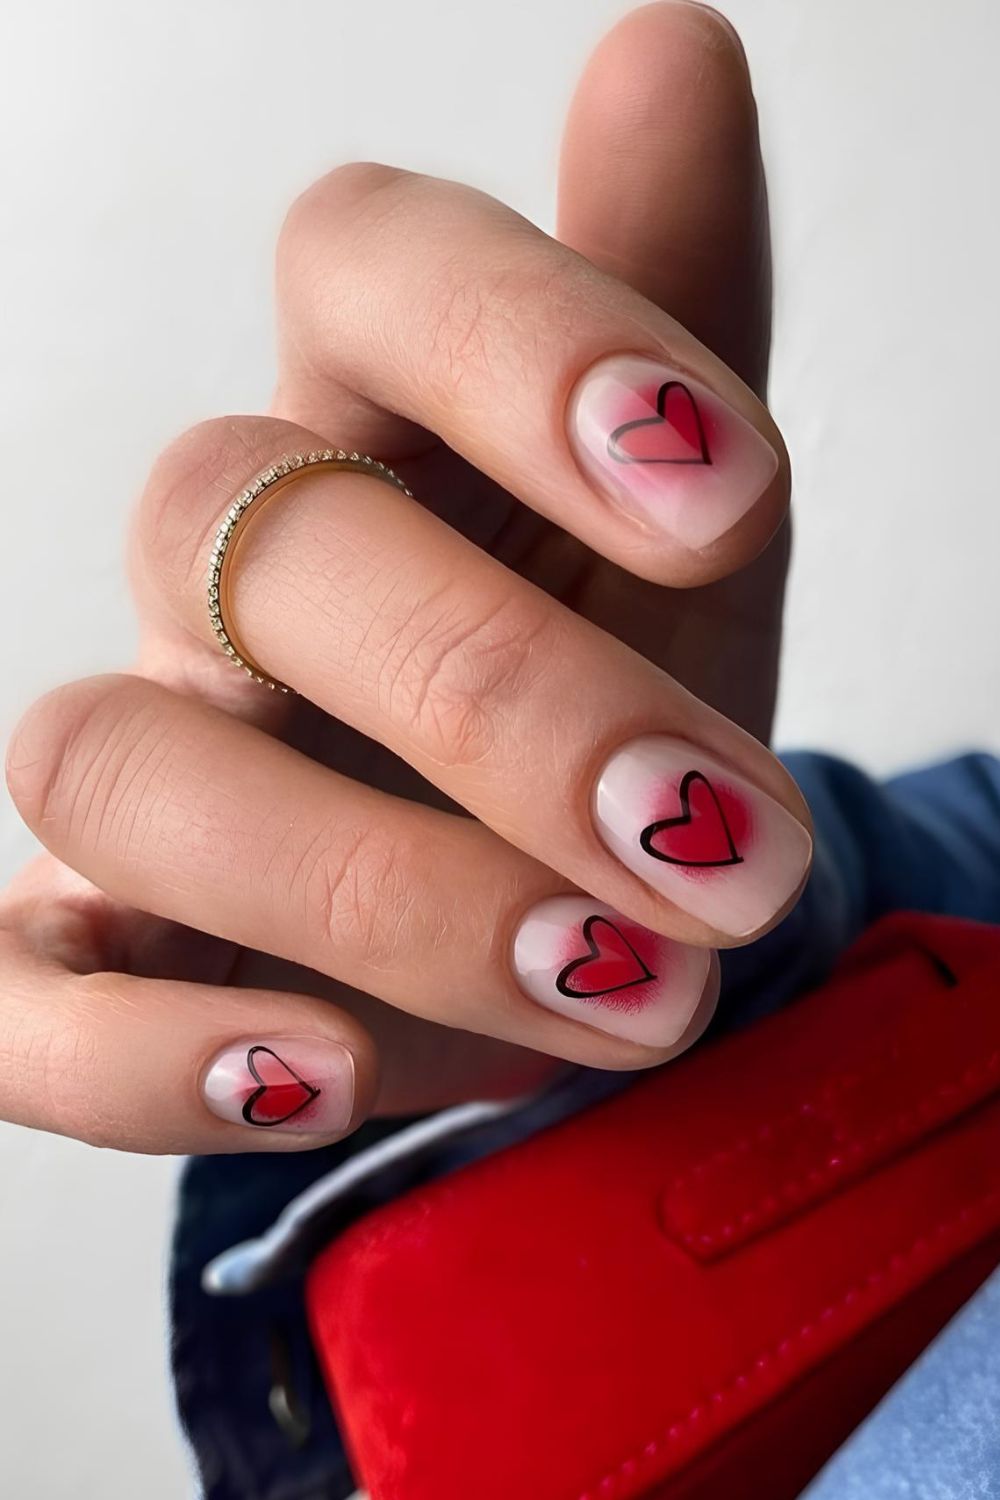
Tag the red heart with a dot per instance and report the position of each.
(700, 835)
(675, 435)
(282, 1093)
(610, 963)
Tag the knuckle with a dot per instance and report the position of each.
(81, 758)
(359, 898)
(346, 187)
(458, 338)
(332, 202)
(482, 315)
(464, 311)
(90, 1093)
(481, 270)
(190, 485)
(61, 1067)
(451, 677)
(45, 743)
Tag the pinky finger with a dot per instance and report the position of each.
(158, 1065)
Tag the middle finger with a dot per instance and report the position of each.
(425, 301)
(559, 737)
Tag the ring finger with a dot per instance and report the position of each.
(188, 813)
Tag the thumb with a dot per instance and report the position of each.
(661, 181)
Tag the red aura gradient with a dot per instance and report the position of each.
(671, 436)
(278, 1101)
(626, 972)
(703, 838)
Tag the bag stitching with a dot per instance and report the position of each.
(778, 1123)
(760, 1363)
(794, 1188)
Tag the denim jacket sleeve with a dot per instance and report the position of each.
(928, 840)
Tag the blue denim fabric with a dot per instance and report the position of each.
(927, 841)
(936, 1436)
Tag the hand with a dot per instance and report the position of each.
(238, 914)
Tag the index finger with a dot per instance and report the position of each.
(439, 305)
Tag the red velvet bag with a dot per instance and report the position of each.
(697, 1288)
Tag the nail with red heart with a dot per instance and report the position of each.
(662, 445)
(303, 1085)
(700, 834)
(585, 960)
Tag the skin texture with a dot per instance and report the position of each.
(112, 1010)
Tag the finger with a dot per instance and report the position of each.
(563, 740)
(439, 305)
(661, 180)
(200, 818)
(165, 1066)
(422, 1066)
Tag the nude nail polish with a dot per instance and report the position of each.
(700, 834)
(585, 960)
(300, 1084)
(666, 448)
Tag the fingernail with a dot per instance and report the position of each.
(299, 1084)
(701, 835)
(666, 448)
(585, 960)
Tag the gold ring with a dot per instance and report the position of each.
(250, 502)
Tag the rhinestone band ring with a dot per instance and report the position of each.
(250, 502)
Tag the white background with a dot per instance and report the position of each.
(149, 151)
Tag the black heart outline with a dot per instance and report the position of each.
(594, 951)
(259, 1093)
(617, 453)
(648, 834)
